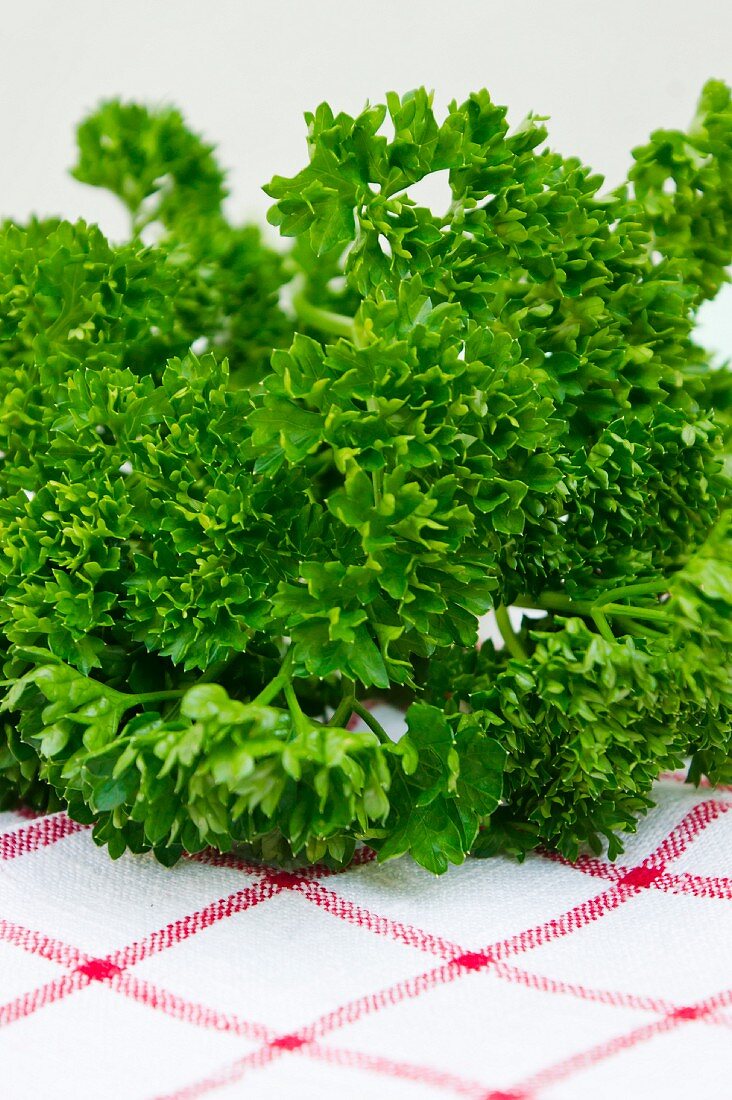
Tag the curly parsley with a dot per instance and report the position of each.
(242, 489)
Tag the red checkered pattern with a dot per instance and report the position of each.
(546, 981)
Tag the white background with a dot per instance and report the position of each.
(243, 73)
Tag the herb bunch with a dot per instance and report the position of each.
(243, 490)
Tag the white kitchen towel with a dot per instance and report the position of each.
(498, 981)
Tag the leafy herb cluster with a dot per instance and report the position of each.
(241, 490)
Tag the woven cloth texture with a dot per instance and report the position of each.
(545, 981)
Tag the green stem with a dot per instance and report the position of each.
(370, 721)
(512, 642)
(653, 614)
(630, 626)
(300, 723)
(154, 696)
(275, 686)
(556, 601)
(377, 481)
(377, 476)
(603, 625)
(344, 710)
(337, 324)
(212, 673)
(641, 589)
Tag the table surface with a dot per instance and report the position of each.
(544, 981)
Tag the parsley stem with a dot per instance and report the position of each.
(276, 685)
(641, 589)
(300, 723)
(377, 482)
(653, 614)
(344, 710)
(557, 601)
(512, 642)
(213, 672)
(377, 476)
(152, 696)
(337, 324)
(603, 626)
(599, 609)
(375, 726)
(631, 626)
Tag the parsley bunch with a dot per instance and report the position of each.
(241, 490)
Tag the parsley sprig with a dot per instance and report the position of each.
(242, 490)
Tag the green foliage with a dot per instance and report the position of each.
(226, 522)
(152, 162)
(228, 281)
(684, 182)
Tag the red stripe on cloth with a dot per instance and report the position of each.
(212, 858)
(678, 840)
(182, 929)
(229, 1075)
(586, 912)
(37, 943)
(202, 1016)
(87, 969)
(39, 834)
(680, 777)
(198, 1015)
(560, 1071)
(719, 1000)
(589, 865)
(331, 1021)
(27, 813)
(354, 914)
(357, 1009)
(360, 857)
(615, 997)
(688, 829)
(699, 886)
(230, 859)
(47, 994)
(403, 1071)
